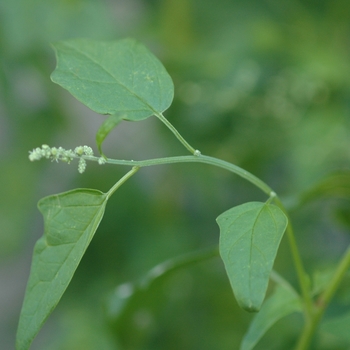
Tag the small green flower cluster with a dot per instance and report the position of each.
(63, 155)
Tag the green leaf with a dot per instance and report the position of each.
(70, 220)
(284, 301)
(117, 78)
(249, 238)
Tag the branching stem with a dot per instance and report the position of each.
(302, 276)
(313, 312)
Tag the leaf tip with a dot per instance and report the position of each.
(250, 304)
(251, 308)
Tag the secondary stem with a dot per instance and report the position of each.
(161, 117)
(304, 283)
(126, 177)
(322, 303)
(301, 273)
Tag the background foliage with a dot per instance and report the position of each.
(263, 84)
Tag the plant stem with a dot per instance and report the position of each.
(302, 275)
(340, 272)
(161, 117)
(126, 177)
(322, 303)
(193, 159)
(311, 320)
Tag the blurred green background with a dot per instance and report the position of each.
(263, 84)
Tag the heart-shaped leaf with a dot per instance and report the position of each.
(71, 220)
(118, 77)
(249, 238)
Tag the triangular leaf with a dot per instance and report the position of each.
(71, 220)
(283, 302)
(249, 238)
(116, 77)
